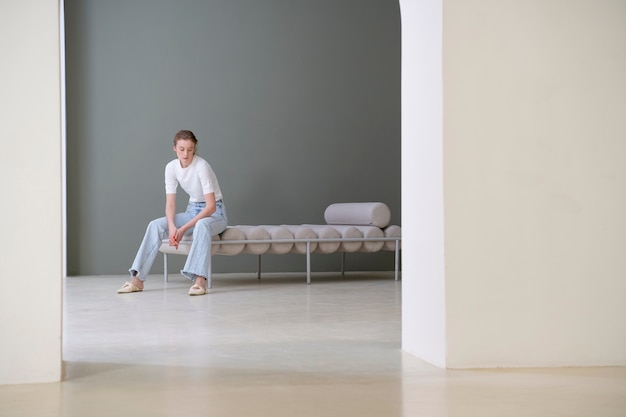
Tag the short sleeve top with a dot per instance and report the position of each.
(196, 180)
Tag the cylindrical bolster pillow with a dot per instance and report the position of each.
(326, 232)
(231, 233)
(302, 232)
(184, 247)
(393, 231)
(255, 233)
(279, 232)
(349, 232)
(362, 214)
(371, 232)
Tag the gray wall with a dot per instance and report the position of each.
(296, 105)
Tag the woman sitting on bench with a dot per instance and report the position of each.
(205, 216)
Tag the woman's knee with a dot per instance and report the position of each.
(158, 224)
(211, 225)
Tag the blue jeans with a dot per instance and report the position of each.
(198, 262)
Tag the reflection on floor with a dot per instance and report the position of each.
(277, 347)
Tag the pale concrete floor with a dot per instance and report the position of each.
(278, 348)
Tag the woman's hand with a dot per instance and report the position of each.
(176, 235)
(174, 238)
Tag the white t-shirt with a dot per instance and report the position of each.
(197, 179)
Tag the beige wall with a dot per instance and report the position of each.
(31, 255)
(534, 139)
(535, 181)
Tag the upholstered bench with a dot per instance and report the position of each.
(350, 227)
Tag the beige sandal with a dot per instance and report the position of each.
(197, 290)
(128, 288)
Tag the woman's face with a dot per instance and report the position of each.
(185, 149)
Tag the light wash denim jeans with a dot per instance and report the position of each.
(198, 262)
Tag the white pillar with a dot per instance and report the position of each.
(30, 160)
(423, 274)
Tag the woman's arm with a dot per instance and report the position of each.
(170, 213)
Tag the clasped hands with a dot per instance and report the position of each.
(176, 235)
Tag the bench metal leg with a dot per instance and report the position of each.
(308, 263)
(165, 276)
(343, 263)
